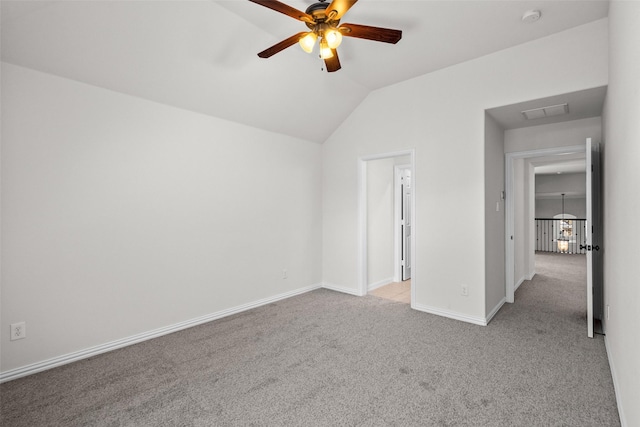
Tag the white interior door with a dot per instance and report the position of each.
(593, 232)
(406, 224)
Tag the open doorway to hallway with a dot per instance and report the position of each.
(559, 233)
(561, 221)
(399, 289)
(386, 201)
(536, 134)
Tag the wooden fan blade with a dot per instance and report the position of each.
(378, 34)
(285, 9)
(281, 46)
(337, 8)
(333, 63)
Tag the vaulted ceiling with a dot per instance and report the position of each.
(201, 55)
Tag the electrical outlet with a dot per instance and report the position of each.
(464, 291)
(18, 331)
(284, 274)
(608, 310)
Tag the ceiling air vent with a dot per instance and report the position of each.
(550, 111)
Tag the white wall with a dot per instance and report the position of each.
(622, 207)
(380, 221)
(494, 214)
(569, 183)
(120, 215)
(563, 134)
(573, 184)
(441, 114)
(547, 208)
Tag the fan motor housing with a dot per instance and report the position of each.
(316, 7)
(318, 11)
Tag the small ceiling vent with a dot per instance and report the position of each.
(550, 111)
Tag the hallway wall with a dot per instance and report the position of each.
(380, 221)
(622, 207)
(547, 208)
(494, 218)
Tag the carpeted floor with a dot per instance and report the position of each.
(328, 359)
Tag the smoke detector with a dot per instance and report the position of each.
(531, 16)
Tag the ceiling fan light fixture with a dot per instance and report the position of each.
(323, 19)
(325, 50)
(333, 37)
(308, 41)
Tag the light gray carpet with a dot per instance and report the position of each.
(328, 359)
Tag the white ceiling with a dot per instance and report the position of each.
(560, 164)
(201, 55)
(561, 167)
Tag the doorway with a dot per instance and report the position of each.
(528, 229)
(386, 222)
(511, 162)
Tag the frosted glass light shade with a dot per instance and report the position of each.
(308, 41)
(333, 37)
(325, 50)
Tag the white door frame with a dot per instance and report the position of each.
(397, 235)
(594, 229)
(362, 217)
(510, 205)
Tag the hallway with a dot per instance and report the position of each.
(396, 291)
(558, 290)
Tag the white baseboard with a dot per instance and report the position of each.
(531, 275)
(379, 284)
(495, 310)
(614, 376)
(518, 283)
(342, 289)
(450, 314)
(134, 339)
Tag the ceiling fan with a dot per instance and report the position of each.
(323, 20)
